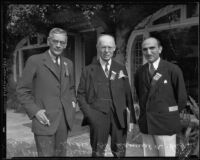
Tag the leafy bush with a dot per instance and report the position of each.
(12, 102)
(189, 137)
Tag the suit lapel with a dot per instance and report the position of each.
(112, 68)
(157, 79)
(50, 65)
(98, 71)
(64, 72)
(146, 76)
(96, 74)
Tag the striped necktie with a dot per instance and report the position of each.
(151, 69)
(106, 69)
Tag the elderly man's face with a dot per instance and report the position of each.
(106, 47)
(151, 50)
(57, 43)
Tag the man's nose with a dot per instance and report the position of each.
(148, 51)
(58, 44)
(106, 49)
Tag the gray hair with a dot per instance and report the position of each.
(102, 35)
(57, 31)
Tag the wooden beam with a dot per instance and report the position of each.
(20, 62)
(87, 30)
(34, 46)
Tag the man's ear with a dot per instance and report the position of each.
(48, 41)
(160, 49)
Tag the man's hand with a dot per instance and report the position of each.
(130, 127)
(42, 118)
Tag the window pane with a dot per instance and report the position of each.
(136, 60)
(171, 17)
(192, 10)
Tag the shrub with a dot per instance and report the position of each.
(189, 137)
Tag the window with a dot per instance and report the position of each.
(170, 17)
(137, 59)
(192, 10)
(180, 46)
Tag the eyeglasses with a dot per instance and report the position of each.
(62, 43)
(108, 48)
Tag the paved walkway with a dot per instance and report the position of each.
(20, 141)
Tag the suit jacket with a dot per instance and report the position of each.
(160, 99)
(120, 92)
(42, 87)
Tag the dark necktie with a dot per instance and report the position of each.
(151, 69)
(57, 62)
(106, 69)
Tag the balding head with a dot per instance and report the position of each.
(152, 39)
(151, 49)
(105, 37)
(105, 46)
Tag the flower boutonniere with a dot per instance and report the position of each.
(113, 75)
(157, 76)
(121, 74)
(66, 69)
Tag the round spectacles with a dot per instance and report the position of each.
(62, 43)
(108, 48)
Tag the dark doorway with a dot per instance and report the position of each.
(90, 39)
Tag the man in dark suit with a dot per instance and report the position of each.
(47, 91)
(103, 95)
(162, 95)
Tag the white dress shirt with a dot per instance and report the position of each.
(156, 64)
(54, 58)
(103, 64)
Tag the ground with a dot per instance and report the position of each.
(20, 141)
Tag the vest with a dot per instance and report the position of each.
(104, 93)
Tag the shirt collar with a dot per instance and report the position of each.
(103, 63)
(54, 57)
(156, 63)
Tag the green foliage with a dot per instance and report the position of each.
(189, 138)
(12, 101)
(23, 20)
(26, 19)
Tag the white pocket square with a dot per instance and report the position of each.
(165, 81)
(173, 108)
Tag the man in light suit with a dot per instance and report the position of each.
(104, 95)
(47, 91)
(162, 95)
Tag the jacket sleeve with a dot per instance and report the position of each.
(82, 94)
(129, 98)
(136, 83)
(179, 88)
(25, 88)
(72, 83)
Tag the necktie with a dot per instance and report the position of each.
(106, 69)
(57, 61)
(151, 69)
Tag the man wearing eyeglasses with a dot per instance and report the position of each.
(104, 95)
(47, 91)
